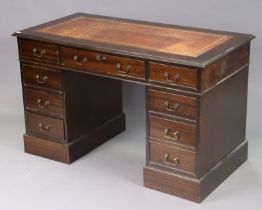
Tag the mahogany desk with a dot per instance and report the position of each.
(196, 95)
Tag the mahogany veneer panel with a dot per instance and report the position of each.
(173, 75)
(39, 51)
(43, 101)
(186, 159)
(107, 65)
(191, 188)
(173, 104)
(186, 132)
(41, 125)
(34, 76)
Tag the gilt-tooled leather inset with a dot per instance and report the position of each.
(148, 37)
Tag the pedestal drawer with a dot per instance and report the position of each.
(172, 157)
(172, 131)
(43, 101)
(173, 75)
(103, 63)
(42, 52)
(41, 77)
(43, 125)
(173, 104)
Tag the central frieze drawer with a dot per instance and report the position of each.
(102, 63)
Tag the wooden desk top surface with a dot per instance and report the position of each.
(182, 45)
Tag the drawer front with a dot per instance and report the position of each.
(39, 51)
(41, 77)
(44, 125)
(172, 157)
(172, 131)
(43, 101)
(173, 104)
(173, 75)
(102, 63)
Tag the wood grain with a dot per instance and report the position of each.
(143, 44)
(173, 104)
(224, 67)
(43, 101)
(222, 123)
(186, 158)
(47, 149)
(90, 101)
(56, 126)
(192, 188)
(172, 184)
(30, 73)
(107, 66)
(188, 77)
(196, 95)
(187, 132)
(68, 153)
(50, 55)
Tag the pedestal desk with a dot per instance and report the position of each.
(196, 95)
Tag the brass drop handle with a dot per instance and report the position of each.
(41, 80)
(171, 107)
(177, 77)
(168, 133)
(173, 162)
(80, 63)
(39, 55)
(43, 127)
(100, 57)
(125, 71)
(42, 104)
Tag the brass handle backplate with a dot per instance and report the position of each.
(39, 55)
(173, 135)
(172, 162)
(44, 127)
(41, 80)
(125, 70)
(171, 107)
(176, 78)
(80, 63)
(100, 57)
(42, 104)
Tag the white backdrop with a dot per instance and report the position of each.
(111, 176)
